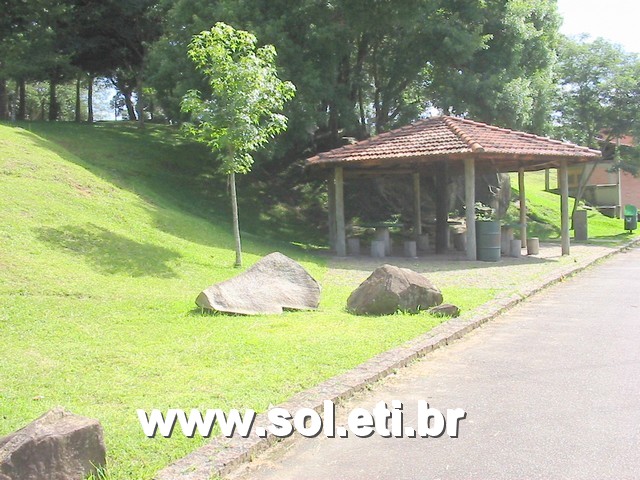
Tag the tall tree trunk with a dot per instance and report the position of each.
(22, 100)
(131, 111)
(53, 101)
(363, 120)
(78, 113)
(236, 223)
(4, 110)
(140, 100)
(333, 125)
(90, 99)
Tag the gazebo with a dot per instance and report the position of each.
(439, 146)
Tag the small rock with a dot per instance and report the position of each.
(445, 310)
(390, 289)
(58, 445)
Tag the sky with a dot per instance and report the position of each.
(614, 20)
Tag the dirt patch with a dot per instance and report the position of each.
(82, 189)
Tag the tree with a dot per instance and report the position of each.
(510, 81)
(600, 101)
(589, 72)
(242, 112)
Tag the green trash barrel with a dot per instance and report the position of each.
(630, 218)
(488, 241)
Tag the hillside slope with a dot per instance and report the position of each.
(100, 263)
(97, 290)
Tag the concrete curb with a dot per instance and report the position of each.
(222, 455)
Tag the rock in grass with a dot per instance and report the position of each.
(273, 284)
(390, 289)
(58, 445)
(445, 310)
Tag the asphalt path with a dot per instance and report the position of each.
(551, 390)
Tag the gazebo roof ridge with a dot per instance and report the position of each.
(451, 138)
(473, 145)
(520, 133)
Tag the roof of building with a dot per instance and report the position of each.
(452, 138)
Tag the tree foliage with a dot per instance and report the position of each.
(242, 110)
(600, 91)
(509, 82)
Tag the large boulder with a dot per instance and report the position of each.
(272, 284)
(390, 289)
(57, 446)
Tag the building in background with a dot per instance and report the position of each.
(607, 189)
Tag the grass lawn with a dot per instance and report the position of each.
(108, 235)
(544, 213)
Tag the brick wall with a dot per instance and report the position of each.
(630, 190)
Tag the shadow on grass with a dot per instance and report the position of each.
(179, 177)
(110, 252)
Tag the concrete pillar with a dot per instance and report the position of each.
(341, 236)
(563, 180)
(331, 207)
(621, 209)
(523, 208)
(547, 186)
(470, 202)
(417, 214)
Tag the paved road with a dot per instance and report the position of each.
(552, 391)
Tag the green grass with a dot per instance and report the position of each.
(107, 235)
(544, 213)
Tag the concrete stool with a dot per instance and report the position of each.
(378, 248)
(382, 234)
(353, 246)
(580, 227)
(516, 248)
(533, 246)
(423, 242)
(410, 249)
(505, 240)
(460, 241)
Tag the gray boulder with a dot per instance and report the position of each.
(273, 284)
(390, 289)
(57, 446)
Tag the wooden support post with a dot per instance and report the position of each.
(417, 206)
(564, 207)
(470, 202)
(341, 235)
(331, 207)
(442, 208)
(523, 208)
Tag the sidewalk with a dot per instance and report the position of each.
(513, 280)
(550, 390)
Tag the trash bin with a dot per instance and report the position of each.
(630, 218)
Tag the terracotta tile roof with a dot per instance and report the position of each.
(451, 138)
